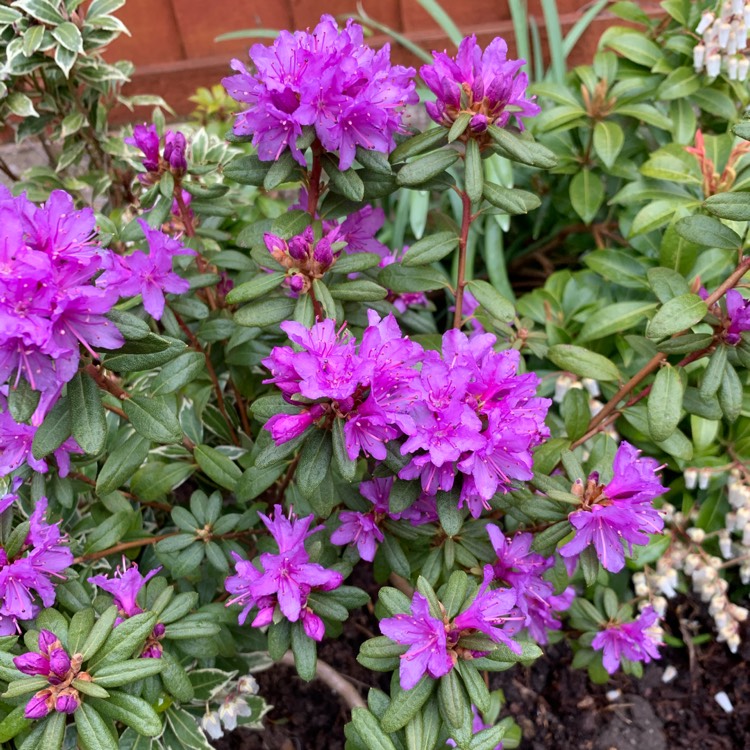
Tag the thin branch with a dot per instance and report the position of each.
(335, 681)
(122, 546)
(466, 220)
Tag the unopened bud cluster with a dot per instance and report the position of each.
(724, 41)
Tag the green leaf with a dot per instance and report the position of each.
(405, 704)
(54, 732)
(79, 629)
(22, 401)
(178, 373)
(479, 694)
(678, 314)
(583, 362)
(631, 45)
(32, 39)
(589, 565)
(347, 183)
(459, 126)
(425, 168)
(291, 223)
(489, 739)
(69, 36)
(14, 723)
(730, 394)
(153, 418)
(257, 287)
(89, 427)
(401, 280)
(128, 637)
(680, 83)
(418, 144)
(99, 633)
(20, 104)
(280, 170)
(91, 729)
(121, 464)
(510, 200)
(25, 685)
(358, 290)
(521, 150)
(667, 283)
(314, 461)
(474, 171)
(452, 699)
(586, 195)
(374, 161)
(355, 262)
(576, 413)
(708, 231)
(714, 372)
(217, 466)
(265, 312)
(608, 141)
(90, 688)
(125, 672)
(665, 403)
(430, 249)
(130, 710)
(732, 206)
(247, 170)
(492, 301)
(369, 729)
(305, 653)
(345, 466)
(615, 318)
(395, 556)
(42, 10)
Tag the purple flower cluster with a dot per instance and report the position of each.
(125, 585)
(149, 275)
(25, 578)
(146, 138)
(53, 662)
(466, 411)
(285, 579)
(635, 641)
(522, 570)
(620, 511)
(328, 79)
(434, 642)
(484, 84)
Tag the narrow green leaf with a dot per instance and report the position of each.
(257, 287)
(153, 418)
(89, 427)
(608, 141)
(492, 301)
(91, 729)
(708, 231)
(369, 729)
(665, 403)
(583, 362)
(678, 314)
(217, 466)
(430, 249)
(474, 171)
(405, 704)
(586, 194)
(426, 168)
(121, 464)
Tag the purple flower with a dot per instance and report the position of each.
(426, 637)
(521, 569)
(327, 79)
(9, 498)
(125, 585)
(484, 84)
(738, 315)
(620, 511)
(25, 579)
(175, 148)
(489, 612)
(51, 662)
(284, 579)
(148, 275)
(146, 138)
(635, 641)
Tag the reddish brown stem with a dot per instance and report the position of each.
(187, 219)
(105, 382)
(122, 546)
(466, 220)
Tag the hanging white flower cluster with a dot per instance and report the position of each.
(725, 41)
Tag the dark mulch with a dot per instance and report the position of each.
(557, 707)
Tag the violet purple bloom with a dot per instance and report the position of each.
(327, 79)
(125, 585)
(522, 570)
(26, 578)
(175, 148)
(148, 275)
(484, 84)
(635, 641)
(283, 580)
(146, 138)
(621, 511)
(426, 637)
(54, 663)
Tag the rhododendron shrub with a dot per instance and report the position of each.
(253, 392)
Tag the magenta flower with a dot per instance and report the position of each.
(489, 613)
(148, 275)
(10, 497)
(328, 79)
(484, 84)
(620, 511)
(175, 148)
(521, 569)
(51, 662)
(125, 585)
(426, 637)
(25, 579)
(146, 138)
(738, 315)
(284, 579)
(635, 641)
